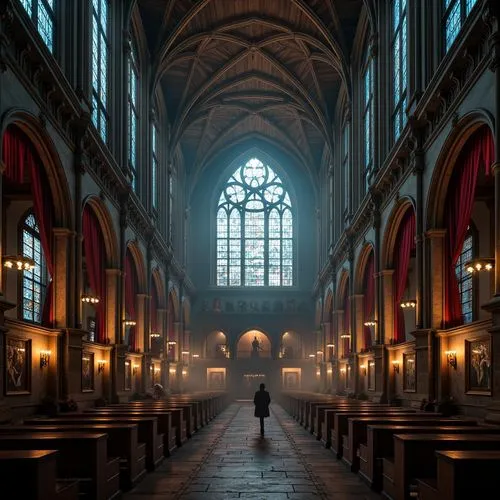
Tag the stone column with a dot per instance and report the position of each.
(386, 277)
(437, 264)
(60, 289)
(357, 317)
(114, 328)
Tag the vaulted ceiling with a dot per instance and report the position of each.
(235, 70)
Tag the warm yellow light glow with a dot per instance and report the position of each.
(129, 322)
(312, 355)
(89, 299)
(155, 335)
(370, 323)
(480, 264)
(196, 355)
(345, 336)
(331, 346)
(363, 367)
(343, 370)
(18, 262)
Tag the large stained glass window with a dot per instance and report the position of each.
(133, 117)
(172, 187)
(345, 168)
(42, 15)
(154, 165)
(100, 71)
(34, 282)
(367, 119)
(254, 229)
(465, 279)
(399, 30)
(455, 14)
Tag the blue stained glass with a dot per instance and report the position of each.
(469, 5)
(27, 6)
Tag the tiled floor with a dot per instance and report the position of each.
(228, 459)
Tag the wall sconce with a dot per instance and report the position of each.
(330, 346)
(407, 304)
(318, 373)
(184, 373)
(100, 365)
(155, 335)
(135, 369)
(329, 371)
(172, 371)
(171, 343)
(343, 370)
(87, 298)
(345, 336)
(370, 322)
(196, 356)
(395, 364)
(185, 353)
(312, 356)
(363, 370)
(129, 322)
(45, 358)
(18, 262)
(451, 357)
(477, 265)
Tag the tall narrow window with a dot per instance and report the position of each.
(154, 165)
(455, 14)
(34, 282)
(345, 170)
(254, 229)
(399, 29)
(367, 120)
(42, 15)
(133, 117)
(100, 70)
(465, 279)
(171, 201)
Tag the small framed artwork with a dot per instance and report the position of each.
(91, 325)
(128, 375)
(409, 372)
(478, 366)
(87, 371)
(371, 375)
(17, 366)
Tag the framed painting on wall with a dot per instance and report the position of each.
(478, 366)
(216, 379)
(87, 371)
(371, 375)
(409, 372)
(17, 366)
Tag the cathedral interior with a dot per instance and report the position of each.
(198, 197)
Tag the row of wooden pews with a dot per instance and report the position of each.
(402, 452)
(101, 452)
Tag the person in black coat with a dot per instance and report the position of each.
(261, 401)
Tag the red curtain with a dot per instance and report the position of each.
(346, 342)
(405, 244)
(369, 298)
(95, 258)
(23, 164)
(478, 151)
(130, 297)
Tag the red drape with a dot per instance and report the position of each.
(23, 164)
(346, 323)
(369, 298)
(405, 243)
(130, 297)
(95, 258)
(478, 151)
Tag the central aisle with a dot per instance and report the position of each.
(229, 459)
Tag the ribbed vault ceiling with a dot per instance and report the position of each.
(234, 70)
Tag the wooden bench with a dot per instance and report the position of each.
(462, 475)
(82, 456)
(147, 431)
(358, 428)
(341, 420)
(39, 477)
(414, 456)
(122, 443)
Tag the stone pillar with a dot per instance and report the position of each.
(386, 277)
(427, 373)
(60, 289)
(437, 263)
(377, 251)
(140, 326)
(357, 317)
(114, 328)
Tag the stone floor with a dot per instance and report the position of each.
(228, 459)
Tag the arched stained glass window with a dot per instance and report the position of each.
(465, 279)
(43, 16)
(455, 14)
(34, 282)
(254, 229)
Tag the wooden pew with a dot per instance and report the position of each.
(357, 431)
(341, 420)
(122, 443)
(81, 455)
(147, 431)
(462, 475)
(39, 476)
(414, 456)
(380, 444)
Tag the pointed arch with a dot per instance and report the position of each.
(366, 253)
(328, 307)
(246, 348)
(158, 284)
(140, 268)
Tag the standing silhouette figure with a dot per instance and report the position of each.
(261, 401)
